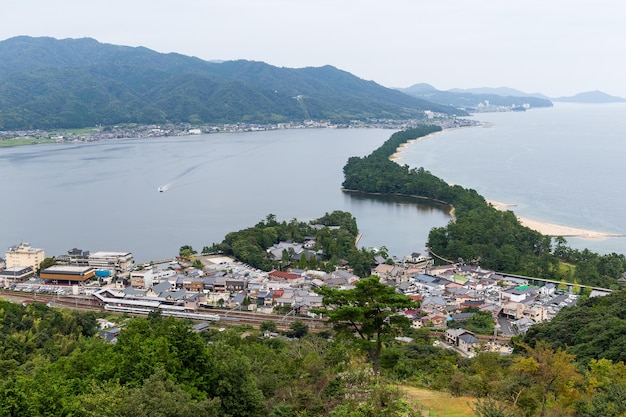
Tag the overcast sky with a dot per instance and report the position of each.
(556, 47)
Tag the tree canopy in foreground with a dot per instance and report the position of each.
(367, 314)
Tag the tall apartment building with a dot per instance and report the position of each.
(24, 255)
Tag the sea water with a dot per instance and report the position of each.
(562, 165)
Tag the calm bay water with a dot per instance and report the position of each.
(562, 165)
(103, 195)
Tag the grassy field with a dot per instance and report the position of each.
(566, 268)
(438, 404)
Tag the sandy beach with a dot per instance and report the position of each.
(551, 229)
(398, 152)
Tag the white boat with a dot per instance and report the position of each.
(162, 188)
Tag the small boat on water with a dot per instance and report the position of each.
(162, 188)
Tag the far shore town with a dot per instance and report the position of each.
(132, 131)
(445, 294)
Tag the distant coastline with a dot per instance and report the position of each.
(137, 131)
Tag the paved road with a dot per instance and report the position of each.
(506, 329)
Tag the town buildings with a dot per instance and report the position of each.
(448, 296)
(10, 276)
(67, 275)
(116, 262)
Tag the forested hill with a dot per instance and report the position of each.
(593, 329)
(50, 83)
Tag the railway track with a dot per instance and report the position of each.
(227, 317)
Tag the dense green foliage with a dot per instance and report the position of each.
(488, 407)
(36, 331)
(591, 268)
(480, 234)
(481, 323)
(46, 263)
(496, 240)
(186, 252)
(48, 83)
(54, 367)
(367, 314)
(538, 381)
(376, 173)
(336, 242)
(593, 329)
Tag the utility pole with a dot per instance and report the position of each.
(496, 327)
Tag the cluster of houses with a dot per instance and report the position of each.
(222, 282)
(445, 293)
(452, 293)
(294, 251)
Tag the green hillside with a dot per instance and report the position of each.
(50, 83)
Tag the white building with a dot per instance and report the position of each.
(24, 255)
(116, 262)
(148, 277)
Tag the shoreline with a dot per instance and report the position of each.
(398, 153)
(545, 228)
(553, 229)
(421, 199)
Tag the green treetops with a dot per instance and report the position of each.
(367, 314)
(187, 252)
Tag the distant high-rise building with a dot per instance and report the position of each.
(24, 255)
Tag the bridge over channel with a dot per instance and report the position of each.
(534, 280)
(545, 281)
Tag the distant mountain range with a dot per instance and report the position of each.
(498, 91)
(593, 97)
(473, 99)
(478, 98)
(49, 83)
